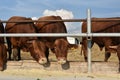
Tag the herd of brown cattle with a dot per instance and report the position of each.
(39, 46)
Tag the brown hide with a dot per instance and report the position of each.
(25, 43)
(53, 27)
(102, 27)
(3, 56)
(15, 18)
(3, 50)
(20, 28)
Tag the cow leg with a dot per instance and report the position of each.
(107, 56)
(15, 53)
(107, 49)
(19, 56)
(9, 53)
(9, 48)
(47, 53)
(84, 48)
(4, 51)
(118, 54)
(85, 52)
(85, 56)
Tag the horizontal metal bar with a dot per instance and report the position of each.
(63, 20)
(60, 35)
(41, 35)
(105, 34)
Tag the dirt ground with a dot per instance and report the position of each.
(34, 74)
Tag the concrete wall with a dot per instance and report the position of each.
(73, 67)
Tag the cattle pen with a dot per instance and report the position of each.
(81, 66)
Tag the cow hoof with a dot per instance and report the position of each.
(42, 61)
(86, 59)
(47, 64)
(66, 65)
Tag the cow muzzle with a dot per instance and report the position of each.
(62, 61)
(42, 61)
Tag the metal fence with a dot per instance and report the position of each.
(88, 34)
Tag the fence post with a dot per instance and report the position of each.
(89, 40)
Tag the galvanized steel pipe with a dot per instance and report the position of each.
(89, 40)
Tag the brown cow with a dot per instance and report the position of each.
(102, 27)
(58, 45)
(26, 43)
(3, 50)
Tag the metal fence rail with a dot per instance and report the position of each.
(67, 35)
(60, 35)
(26, 21)
(63, 20)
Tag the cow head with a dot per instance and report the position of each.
(3, 57)
(60, 50)
(37, 50)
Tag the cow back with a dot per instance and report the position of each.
(21, 27)
(100, 26)
(51, 27)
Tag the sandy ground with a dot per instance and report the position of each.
(35, 74)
